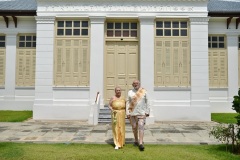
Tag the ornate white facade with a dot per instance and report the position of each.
(194, 103)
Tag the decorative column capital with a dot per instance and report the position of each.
(45, 19)
(232, 33)
(146, 19)
(97, 19)
(199, 20)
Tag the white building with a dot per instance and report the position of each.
(55, 55)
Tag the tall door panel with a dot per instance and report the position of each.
(121, 67)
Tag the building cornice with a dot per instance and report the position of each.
(122, 1)
(103, 6)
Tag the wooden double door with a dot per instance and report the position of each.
(121, 67)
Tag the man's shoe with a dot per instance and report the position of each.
(135, 144)
(141, 147)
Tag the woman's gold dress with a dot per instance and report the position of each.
(118, 121)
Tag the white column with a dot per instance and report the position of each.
(199, 68)
(232, 48)
(147, 58)
(96, 57)
(44, 66)
(10, 71)
(147, 53)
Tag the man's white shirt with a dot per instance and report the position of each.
(142, 107)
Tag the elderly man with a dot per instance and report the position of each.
(137, 111)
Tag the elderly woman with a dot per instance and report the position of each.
(117, 105)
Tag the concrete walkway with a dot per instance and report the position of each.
(81, 132)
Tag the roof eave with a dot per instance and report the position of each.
(223, 14)
(18, 13)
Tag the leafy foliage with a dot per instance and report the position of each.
(230, 133)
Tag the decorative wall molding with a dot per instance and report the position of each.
(119, 6)
(45, 19)
(94, 1)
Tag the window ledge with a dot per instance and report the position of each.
(172, 88)
(218, 89)
(25, 88)
(63, 88)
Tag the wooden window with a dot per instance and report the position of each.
(218, 66)
(26, 60)
(122, 29)
(71, 58)
(2, 59)
(171, 28)
(172, 54)
(216, 41)
(72, 28)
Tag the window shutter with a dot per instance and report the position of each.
(184, 64)
(85, 63)
(2, 67)
(176, 64)
(76, 62)
(20, 68)
(67, 62)
(167, 62)
(223, 73)
(159, 63)
(33, 68)
(59, 62)
(27, 78)
(218, 68)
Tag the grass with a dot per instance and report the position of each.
(15, 116)
(105, 151)
(224, 117)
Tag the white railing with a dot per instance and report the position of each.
(94, 112)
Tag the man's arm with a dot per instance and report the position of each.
(127, 105)
(147, 104)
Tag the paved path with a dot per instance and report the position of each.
(81, 132)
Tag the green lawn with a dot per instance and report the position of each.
(105, 151)
(15, 116)
(224, 117)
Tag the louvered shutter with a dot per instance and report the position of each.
(159, 63)
(218, 74)
(20, 71)
(223, 73)
(67, 62)
(28, 66)
(167, 63)
(76, 62)
(176, 64)
(2, 67)
(72, 62)
(33, 68)
(185, 65)
(59, 62)
(84, 62)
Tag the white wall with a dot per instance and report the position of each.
(10, 97)
(221, 99)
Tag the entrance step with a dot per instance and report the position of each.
(105, 116)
